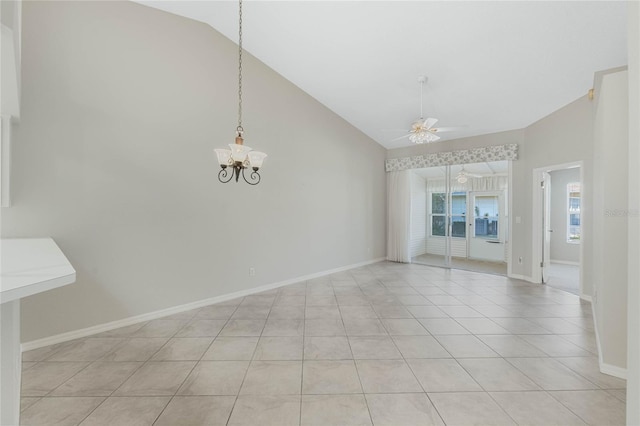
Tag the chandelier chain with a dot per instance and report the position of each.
(240, 129)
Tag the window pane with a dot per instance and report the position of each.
(459, 203)
(438, 201)
(438, 225)
(459, 226)
(573, 213)
(574, 219)
(486, 216)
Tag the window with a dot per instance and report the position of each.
(458, 214)
(573, 213)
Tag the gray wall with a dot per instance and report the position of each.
(610, 216)
(122, 108)
(561, 250)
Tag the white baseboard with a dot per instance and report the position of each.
(521, 277)
(612, 370)
(100, 328)
(586, 297)
(565, 262)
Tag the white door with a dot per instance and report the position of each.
(545, 186)
(485, 221)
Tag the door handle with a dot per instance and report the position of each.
(549, 230)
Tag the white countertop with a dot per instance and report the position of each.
(30, 266)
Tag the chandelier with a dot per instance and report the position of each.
(239, 157)
(423, 136)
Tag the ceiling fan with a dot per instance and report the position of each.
(464, 175)
(423, 130)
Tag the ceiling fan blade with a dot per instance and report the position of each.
(430, 122)
(401, 137)
(446, 129)
(474, 175)
(435, 137)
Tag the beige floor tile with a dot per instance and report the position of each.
(287, 312)
(136, 349)
(321, 327)
(334, 410)
(466, 346)
(201, 328)
(251, 313)
(496, 374)
(594, 407)
(511, 346)
(98, 379)
(156, 379)
(326, 347)
(44, 377)
(89, 349)
(442, 375)
(535, 408)
(243, 328)
(196, 411)
(41, 354)
(558, 325)
(374, 347)
(290, 300)
(216, 312)
(589, 368)
(404, 327)
(420, 347)
(258, 300)
(60, 411)
(127, 411)
(279, 348)
(469, 408)
(183, 349)
(443, 326)
(461, 312)
(330, 377)
(231, 349)
(357, 312)
(405, 409)
(28, 401)
(551, 374)
(520, 326)
(273, 378)
(127, 331)
(481, 326)
(621, 394)
(215, 378)
(554, 345)
(160, 328)
(321, 300)
(364, 327)
(386, 376)
(278, 410)
(392, 311)
(426, 312)
(283, 327)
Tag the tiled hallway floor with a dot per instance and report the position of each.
(386, 344)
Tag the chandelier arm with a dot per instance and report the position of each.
(254, 177)
(224, 176)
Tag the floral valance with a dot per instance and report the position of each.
(464, 156)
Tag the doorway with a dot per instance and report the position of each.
(459, 216)
(558, 227)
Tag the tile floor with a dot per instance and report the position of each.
(386, 344)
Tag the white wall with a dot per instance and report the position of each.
(122, 108)
(418, 238)
(610, 219)
(633, 313)
(561, 250)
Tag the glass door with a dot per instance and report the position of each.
(486, 228)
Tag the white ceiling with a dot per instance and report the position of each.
(492, 66)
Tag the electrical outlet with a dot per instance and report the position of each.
(520, 260)
(252, 272)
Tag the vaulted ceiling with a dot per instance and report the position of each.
(491, 66)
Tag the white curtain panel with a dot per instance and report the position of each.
(399, 216)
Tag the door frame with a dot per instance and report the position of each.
(537, 221)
